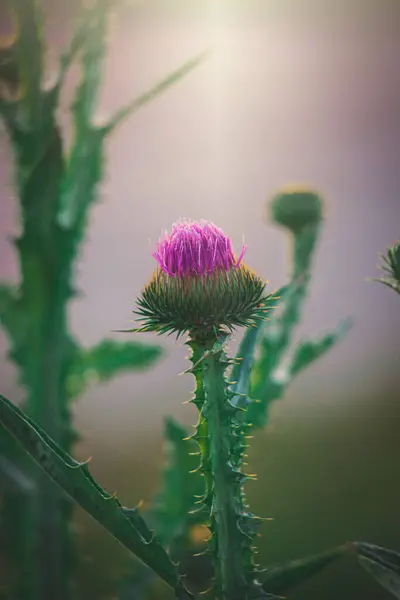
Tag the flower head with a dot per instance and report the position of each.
(199, 285)
(195, 248)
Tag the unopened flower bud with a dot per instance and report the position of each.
(295, 208)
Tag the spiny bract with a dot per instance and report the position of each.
(199, 286)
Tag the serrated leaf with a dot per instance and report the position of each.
(105, 360)
(382, 564)
(126, 525)
(309, 350)
(280, 578)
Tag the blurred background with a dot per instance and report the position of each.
(294, 91)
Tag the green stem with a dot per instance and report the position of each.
(231, 526)
(46, 404)
(304, 242)
(201, 435)
(44, 253)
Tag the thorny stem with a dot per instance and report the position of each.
(231, 526)
(229, 570)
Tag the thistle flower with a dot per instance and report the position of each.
(199, 285)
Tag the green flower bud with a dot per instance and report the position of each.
(296, 208)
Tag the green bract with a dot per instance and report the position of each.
(198, 304)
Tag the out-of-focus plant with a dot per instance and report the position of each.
(391, 268)
(56, 188)
(201, 290)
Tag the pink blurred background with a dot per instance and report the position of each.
(293, 91)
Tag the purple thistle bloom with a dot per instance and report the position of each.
(195, 248)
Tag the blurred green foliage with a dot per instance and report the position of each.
(56, 187)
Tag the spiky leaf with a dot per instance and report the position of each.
(126, 525)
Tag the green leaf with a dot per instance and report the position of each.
(126, 525)
(155, 91)
(281, 578)
(382, 564)
(106, 360)
(309, 350)
(182, 483)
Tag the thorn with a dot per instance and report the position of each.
(205, 592)
(187, 372)
(195, 470)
